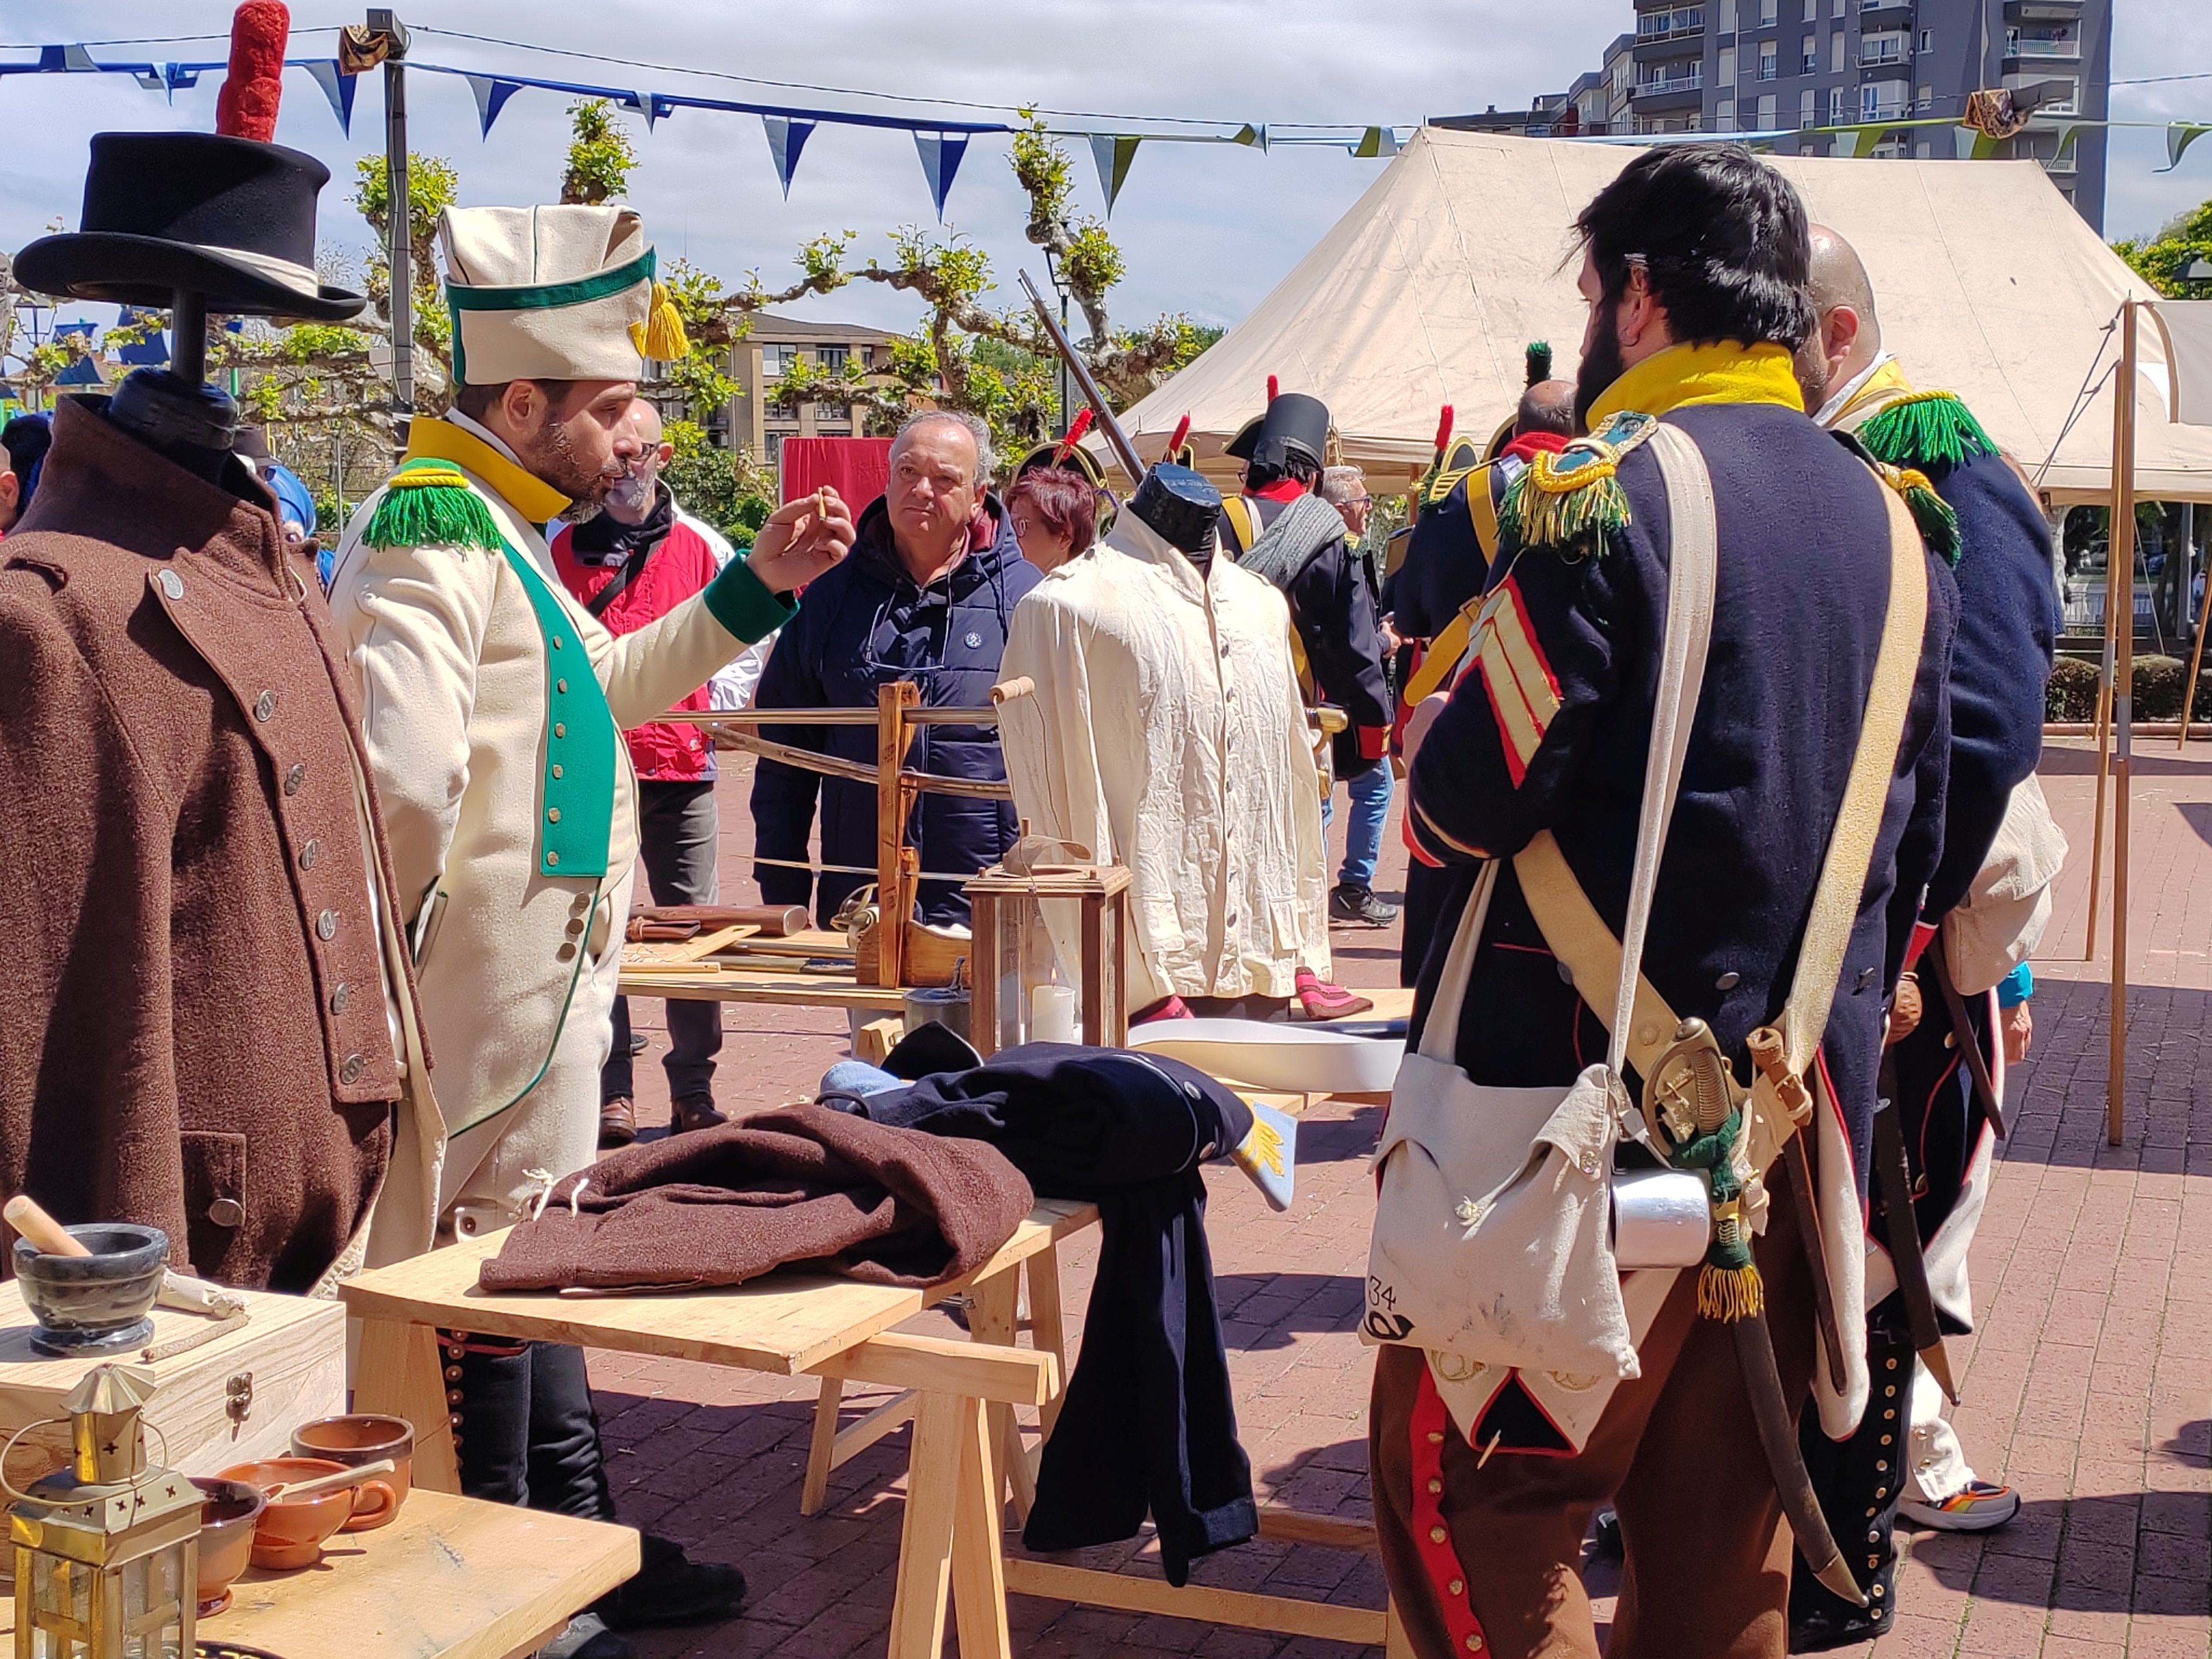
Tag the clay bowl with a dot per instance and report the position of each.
(363, 1437)
(95, 1304)
(228, 1512)
(291, 1530)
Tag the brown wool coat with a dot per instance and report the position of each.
(192, 1022)
(720, 1207)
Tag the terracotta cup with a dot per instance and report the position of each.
(363, 1437)
(230, 1511)
(291, 1530)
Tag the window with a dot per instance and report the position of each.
(1808, 55)
(1725, 74)
(1676, 74)
(1927, 42)
(1837, 10)
(1885, 46)
(1924, 149)
(1808, 109)
(1724, 115)
(1836, 52)
(1836, 97)
(1766, 13)
(1766, 114)
(1812, 11)
(1693, 122)
(1923, 102)
(1728, 16)
(1766, 60)
(1882, 101)
(833, 358)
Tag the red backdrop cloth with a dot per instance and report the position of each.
(856, 468)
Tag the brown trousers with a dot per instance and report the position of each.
(1707, 1575)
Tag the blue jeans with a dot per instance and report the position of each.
(1362, 833)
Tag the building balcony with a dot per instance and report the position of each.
(2043, 11)
(2027, 50)
(1666, 97)
(1885, 15)
(2061, 165)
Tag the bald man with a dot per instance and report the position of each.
(2007, 624)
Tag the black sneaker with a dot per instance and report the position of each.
(1350, 902)
(671, 1588)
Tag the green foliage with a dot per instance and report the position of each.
(2071, 693)
(721, 486)
(600, 154)
(433, 185)
(1093, 263)
(2179, 244)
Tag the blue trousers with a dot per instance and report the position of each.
(1362, 832)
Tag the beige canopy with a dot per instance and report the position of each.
(1427, 291)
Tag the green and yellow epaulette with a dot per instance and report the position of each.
(429, 503)
(1562, 500)
(1461, 457)
(1939, 524)
(1923, 429)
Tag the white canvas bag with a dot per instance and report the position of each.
(1493, 1241)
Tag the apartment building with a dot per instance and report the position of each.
(752, 421)
(1787, 65)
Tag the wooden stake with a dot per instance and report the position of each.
(893, 735)
(2104, 751)
(2122, 559)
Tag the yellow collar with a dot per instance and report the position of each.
(1683, 375)
(429, 439)
(1884, 384)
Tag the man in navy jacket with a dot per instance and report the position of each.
(925, 595)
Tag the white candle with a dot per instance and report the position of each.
(1052, 1013)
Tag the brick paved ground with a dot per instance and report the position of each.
(2085, 1383)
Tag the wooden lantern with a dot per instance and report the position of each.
(1014, 956)
(107, 1550)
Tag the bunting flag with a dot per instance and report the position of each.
(940, 153)
(1252, 137)
(1377, 142)
(2178, 137)
(786, 138)
(492, 94)
(1113, 155)
(337, 88)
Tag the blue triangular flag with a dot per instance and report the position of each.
(492, 94)
(786, 138)
(338, 88)
(940, 154)
(1113, 154)
(70, 60)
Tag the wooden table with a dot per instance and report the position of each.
(451, 1578)
(787, 1324)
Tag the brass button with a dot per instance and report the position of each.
(556, 769)
(1459, 1587)
(326, 924)
(559, 730)
(295, 775)
(310, 853)
(1436, 1535)
(567, 953)
(1436, 1437)
(341, 994)
(1474, 1645)
(552, 815)
(552, 859)
(1729, 980)
(560, 685)
(575, 924)
(171, 583)
(351, 1071)
(265, 706)
(1435, 1485)
(558, 641)
(226, 1213)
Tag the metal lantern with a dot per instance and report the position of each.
(1049, 950)
(107, 1549)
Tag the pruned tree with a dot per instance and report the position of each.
(2163, 260)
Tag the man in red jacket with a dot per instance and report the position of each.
(631, 564)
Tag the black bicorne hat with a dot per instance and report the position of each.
(1295, 424)
(1078, 460)
(231, 219)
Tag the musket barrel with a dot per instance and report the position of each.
(1118, 441)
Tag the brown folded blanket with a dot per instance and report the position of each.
(801, 1185)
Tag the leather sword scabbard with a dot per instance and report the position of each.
(1893, 1175)
(1978, 1067)
(1777, 1438)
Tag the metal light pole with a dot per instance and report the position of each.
(398, 242)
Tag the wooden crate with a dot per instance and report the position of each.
(231, 1401)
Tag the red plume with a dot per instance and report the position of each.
(1076, 428)
(1274, 390)
(1182, 431)
(1444, 428)
(247, 106)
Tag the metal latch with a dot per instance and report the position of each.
(238, 1397)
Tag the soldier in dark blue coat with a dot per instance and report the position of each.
(2009, 622)
(1695, 262)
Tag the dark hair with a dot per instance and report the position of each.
(477, 401)
(1063, 500)
(1299, 468)
(1722, 239)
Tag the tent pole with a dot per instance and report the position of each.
(2188, 595)
(2103, 721)
(2123, 558)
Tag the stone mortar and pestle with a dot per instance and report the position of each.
(93, 1286)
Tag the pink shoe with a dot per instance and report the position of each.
(1322, 1000)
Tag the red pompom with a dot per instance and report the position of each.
(1274, 390)
(247, 106)
(1182, 431)
(1076, 428)
(1444, 428)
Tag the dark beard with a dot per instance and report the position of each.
(552, 456)
(1809, 363)
(1601, 366)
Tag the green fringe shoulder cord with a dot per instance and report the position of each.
(429, 504)
(1728, 1285)
(1548, 506)
(1938, 524)
(1924, 429)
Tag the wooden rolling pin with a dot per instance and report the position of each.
(336, 1481)
(24, 1213)
(774, 920)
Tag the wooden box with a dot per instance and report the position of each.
(230, 1400)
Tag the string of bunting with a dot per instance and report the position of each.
(941, 144)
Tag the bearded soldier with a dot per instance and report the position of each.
(1485, 1477)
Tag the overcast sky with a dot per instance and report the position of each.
(1207, 230)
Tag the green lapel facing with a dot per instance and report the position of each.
(576, 790)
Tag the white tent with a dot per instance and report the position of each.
(1427, 290)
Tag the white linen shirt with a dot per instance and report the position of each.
(1166, 733)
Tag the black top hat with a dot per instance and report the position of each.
(1295, 424)
(230, 219)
